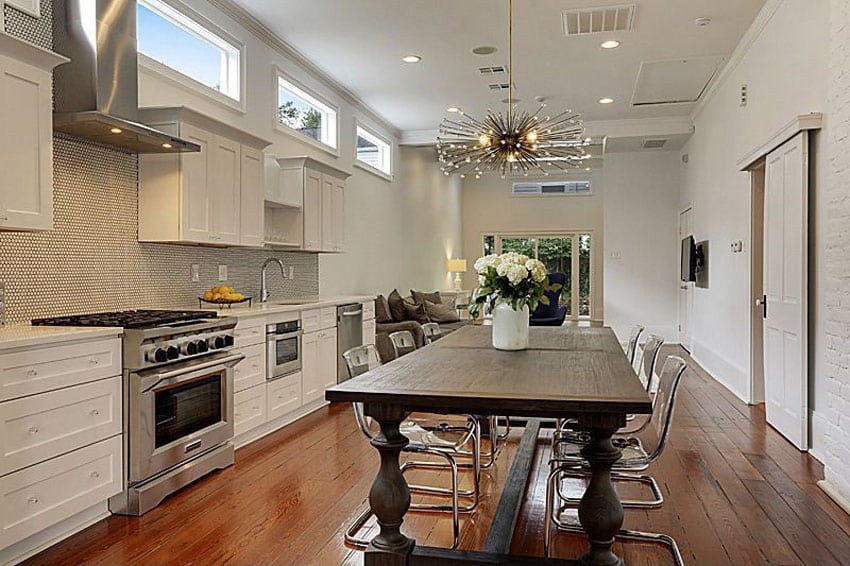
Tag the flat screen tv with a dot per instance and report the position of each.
(689, 259)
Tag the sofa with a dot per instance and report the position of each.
(410, 313)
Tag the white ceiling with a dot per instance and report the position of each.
(360, 43)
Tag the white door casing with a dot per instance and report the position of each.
(786, 289)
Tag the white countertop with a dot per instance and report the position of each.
(275, 306)
(24, 335)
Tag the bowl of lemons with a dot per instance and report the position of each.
(223, 296)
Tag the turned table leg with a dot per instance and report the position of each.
(389, 497)
(600, 510)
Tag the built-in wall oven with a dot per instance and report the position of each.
(283, 341)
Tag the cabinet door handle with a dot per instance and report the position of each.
(95, 474)
(94, 412)
(32, 372)
(94, 361)
(33, 429)
(32, 499)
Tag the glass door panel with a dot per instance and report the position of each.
(584, 276)
(557, 255)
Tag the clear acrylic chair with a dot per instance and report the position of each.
(432, 332)
(567, 462)
(402, 342)
(423, 441)
(631, 346)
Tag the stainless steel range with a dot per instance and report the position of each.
(178, 399)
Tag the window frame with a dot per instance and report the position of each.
(184, 17)
(378, 140)
(318, 100)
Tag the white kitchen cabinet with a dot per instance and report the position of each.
(313, 320)
(283, 395)
(327, 359)
(42, 495)
(251, 371)
(369, 331)
(26, 145)
(308, 199)
(249, 331)
(40, 427)
(212, 197)
(311, 368)
(249, 409)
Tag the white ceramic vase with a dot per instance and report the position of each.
(510, 327)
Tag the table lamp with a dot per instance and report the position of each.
(457, 266)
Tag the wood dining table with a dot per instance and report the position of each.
(565, 373)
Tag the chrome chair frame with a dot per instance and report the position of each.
(358, 362)
(574, 465)
(402, 342)
(432, 331)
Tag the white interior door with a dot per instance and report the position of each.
(786, 290)
(686, 289)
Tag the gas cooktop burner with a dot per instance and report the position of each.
(127, 319)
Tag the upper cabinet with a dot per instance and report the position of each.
(213, 197)
(305, 204)
(26, 145)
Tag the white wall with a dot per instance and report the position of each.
(641, 250)
(489, 208)
(377, 246)
(785, 70)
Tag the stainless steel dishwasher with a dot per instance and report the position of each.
(349, 322)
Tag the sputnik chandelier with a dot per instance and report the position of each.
(514, 142)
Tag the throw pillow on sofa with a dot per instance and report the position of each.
(382, 310)
(397, 309)
(418, 313)
(438, 312)
(419, 297)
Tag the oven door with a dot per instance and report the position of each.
(178, 412)
(284, 354)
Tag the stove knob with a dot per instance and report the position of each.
(203, 346)
(191, 348)
(173, 352)
(160, 355)
(228, 340)
(219, 342)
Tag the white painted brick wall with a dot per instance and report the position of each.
(837, 253)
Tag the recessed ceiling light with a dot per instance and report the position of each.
(610, 44)
(485, 50)
(167, 145)
(411, 58)
(606, 100)
(116, 130)
(452, 109)
(702, 22)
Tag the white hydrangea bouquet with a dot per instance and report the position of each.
(510, 278)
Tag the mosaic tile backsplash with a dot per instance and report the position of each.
(92, 259)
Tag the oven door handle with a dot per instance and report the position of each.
(227, 361)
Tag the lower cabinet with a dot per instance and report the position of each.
(318, 365)
(283, 395)
(369, 331)
(47, 493)
(249, 409)
(251, 371)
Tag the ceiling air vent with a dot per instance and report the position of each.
(654, 144)
(499, 86)
(498, 71)
(552, 188)
(603, 19)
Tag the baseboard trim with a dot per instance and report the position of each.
(50, 536)
(839, 499)
(266, 429)
(717, 366)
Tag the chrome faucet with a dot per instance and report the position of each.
(264, 288)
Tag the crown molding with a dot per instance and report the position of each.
(244, 18)
(749, 38)
(801, 123)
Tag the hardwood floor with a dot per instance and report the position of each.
(735, 491)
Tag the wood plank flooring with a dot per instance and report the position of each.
(736, 493)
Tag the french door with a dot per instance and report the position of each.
(568, 253)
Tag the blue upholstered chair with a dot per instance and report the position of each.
(552, 314)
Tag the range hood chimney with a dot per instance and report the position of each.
(97, 93)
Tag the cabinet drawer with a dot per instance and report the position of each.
(47, 493)
(318, 319)
(284, 395)
(328, 317)
(369, 310)
(252, 370)
(34, 429)
(37, 370)
(249, 409)
(250, 332)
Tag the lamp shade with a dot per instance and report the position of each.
(456, 265)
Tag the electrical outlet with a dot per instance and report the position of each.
(616, 255)
(222, 273)
(196, 273)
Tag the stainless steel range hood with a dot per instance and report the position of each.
(97, 93)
